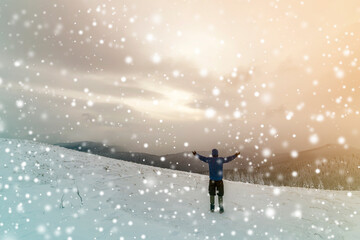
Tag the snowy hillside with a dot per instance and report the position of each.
(49, 192)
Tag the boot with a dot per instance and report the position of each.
(212, 203)
(221, 204)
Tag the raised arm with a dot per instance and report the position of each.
(230, 158)
(202, 158)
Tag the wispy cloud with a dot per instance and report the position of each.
(218, 75)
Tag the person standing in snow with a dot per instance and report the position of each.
(216, 174)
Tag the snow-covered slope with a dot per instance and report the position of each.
(49, 192)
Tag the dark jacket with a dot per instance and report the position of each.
(216, 164)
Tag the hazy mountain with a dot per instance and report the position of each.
(183, 161)
(329, 167)
(88, 146)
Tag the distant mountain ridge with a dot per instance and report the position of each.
(179, 161)
(251, 167)
(330, 167)
(89, 145)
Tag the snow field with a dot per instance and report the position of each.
(49, 192)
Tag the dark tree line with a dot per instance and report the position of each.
(338, 173)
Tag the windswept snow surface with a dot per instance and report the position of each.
(49, 192)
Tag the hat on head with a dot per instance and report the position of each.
(215, 153)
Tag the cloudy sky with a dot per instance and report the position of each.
(167, 76)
